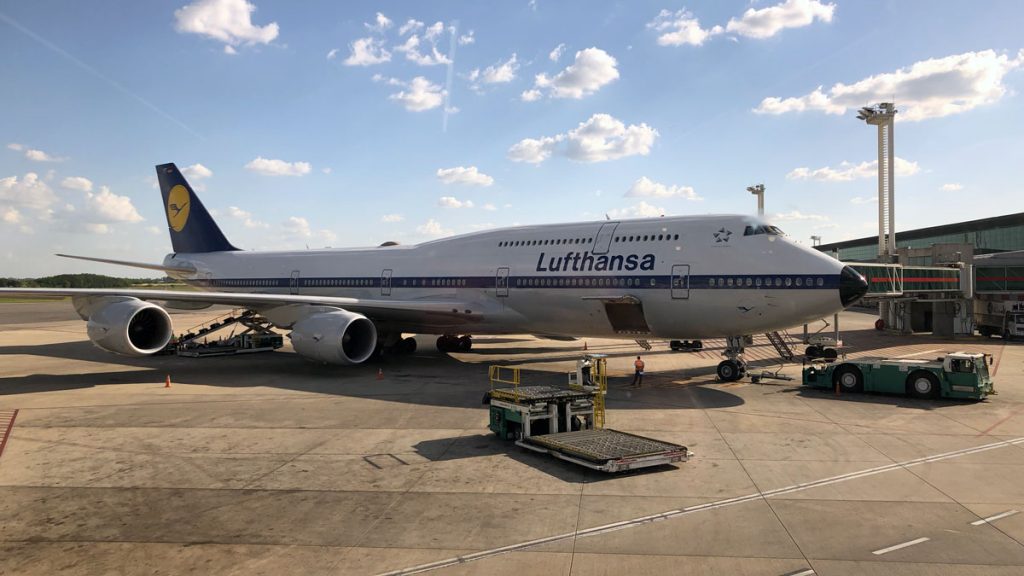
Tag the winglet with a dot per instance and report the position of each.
(191, 227)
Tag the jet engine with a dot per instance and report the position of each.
(335, 337)
(130, 327)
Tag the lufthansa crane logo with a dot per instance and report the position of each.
(178, 207)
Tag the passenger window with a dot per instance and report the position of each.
(789, 282)
(820, 282)
(748, 282)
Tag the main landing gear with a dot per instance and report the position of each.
(734, 367)
(453, 343)
(394, 345)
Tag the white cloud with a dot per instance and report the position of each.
(154, 230)
(391, 218)
(489, 207)
(77, 183)
(556, 53)
(433, 228)
(797, 216)
(847, 171)
(10, 215)
(229, 21)
(109, 207)
(641, 210)
(275, 167)
(681, 27)
(644, 187)
(96, 228)
(230, 50)
(531, 95)
(769, 21)
(864, 200)
(327, 170)
(246, 218)
(367, 52)
(410, 26)
(930, 88)
(599, 139)
(332, 54)
(464, 175)
(298, 228)
(33, 154)
(196, 172)
(498, 73)
(413, 47)
(27, 193)
(380, 23)
(453, 202)
(467, 38)
(592, 69)
(420, 94)
(952, 187)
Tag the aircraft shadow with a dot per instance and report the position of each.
(428, 378)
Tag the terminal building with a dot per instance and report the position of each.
(952, 278)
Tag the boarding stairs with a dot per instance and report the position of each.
(247, 318)
(643, 344)
(780, 344)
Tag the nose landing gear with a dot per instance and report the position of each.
(733, 367)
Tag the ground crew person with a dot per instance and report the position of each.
(638, 376)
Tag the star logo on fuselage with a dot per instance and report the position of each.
(723, 235)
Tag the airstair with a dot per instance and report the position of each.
(780, 344)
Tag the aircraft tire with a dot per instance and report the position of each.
(729, 371)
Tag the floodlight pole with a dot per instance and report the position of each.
(758, 190)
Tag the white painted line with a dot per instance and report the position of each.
(920, 353)
(808, 572)
(994, 518)
(644, 520)
(899, 546)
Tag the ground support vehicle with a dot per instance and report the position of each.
(957, 375)
(994, 316)
(561, 422)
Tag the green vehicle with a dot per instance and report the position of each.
(957, 375)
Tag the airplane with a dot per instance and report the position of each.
(679, 277)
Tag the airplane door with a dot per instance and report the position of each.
(385, 282)
(293, 284)
(604, 237)
(681, 281)
(501, 283)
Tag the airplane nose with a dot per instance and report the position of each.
(852, 286)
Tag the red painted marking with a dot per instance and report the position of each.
(1001, 420)
(7, 433)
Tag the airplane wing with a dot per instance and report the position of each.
(413, 311)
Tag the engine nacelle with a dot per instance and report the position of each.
(130, 327)
(335, 337)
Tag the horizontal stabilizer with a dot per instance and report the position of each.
(147, 266)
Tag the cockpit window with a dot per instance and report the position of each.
(754, 229)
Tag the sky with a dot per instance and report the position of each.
(318, 124)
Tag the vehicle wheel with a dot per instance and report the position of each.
(730, 370)
(829, 354)
(408, 345)
(812, 352)
(849, 379)
(465, 343)
(444, 343)
(923, 385)
(675, 345)
(697, 345)
(985, 331)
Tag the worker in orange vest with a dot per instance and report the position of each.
(638, 376)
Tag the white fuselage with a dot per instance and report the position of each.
(679, 277)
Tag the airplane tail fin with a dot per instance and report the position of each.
(191, 226)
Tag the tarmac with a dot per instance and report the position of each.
(268, 464)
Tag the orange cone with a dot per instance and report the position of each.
(167, 383)
(380, 373)
(584, 345)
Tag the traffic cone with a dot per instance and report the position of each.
(584, 345)
(167, 383)
(380, 373)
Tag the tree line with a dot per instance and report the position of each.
(80, 281)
